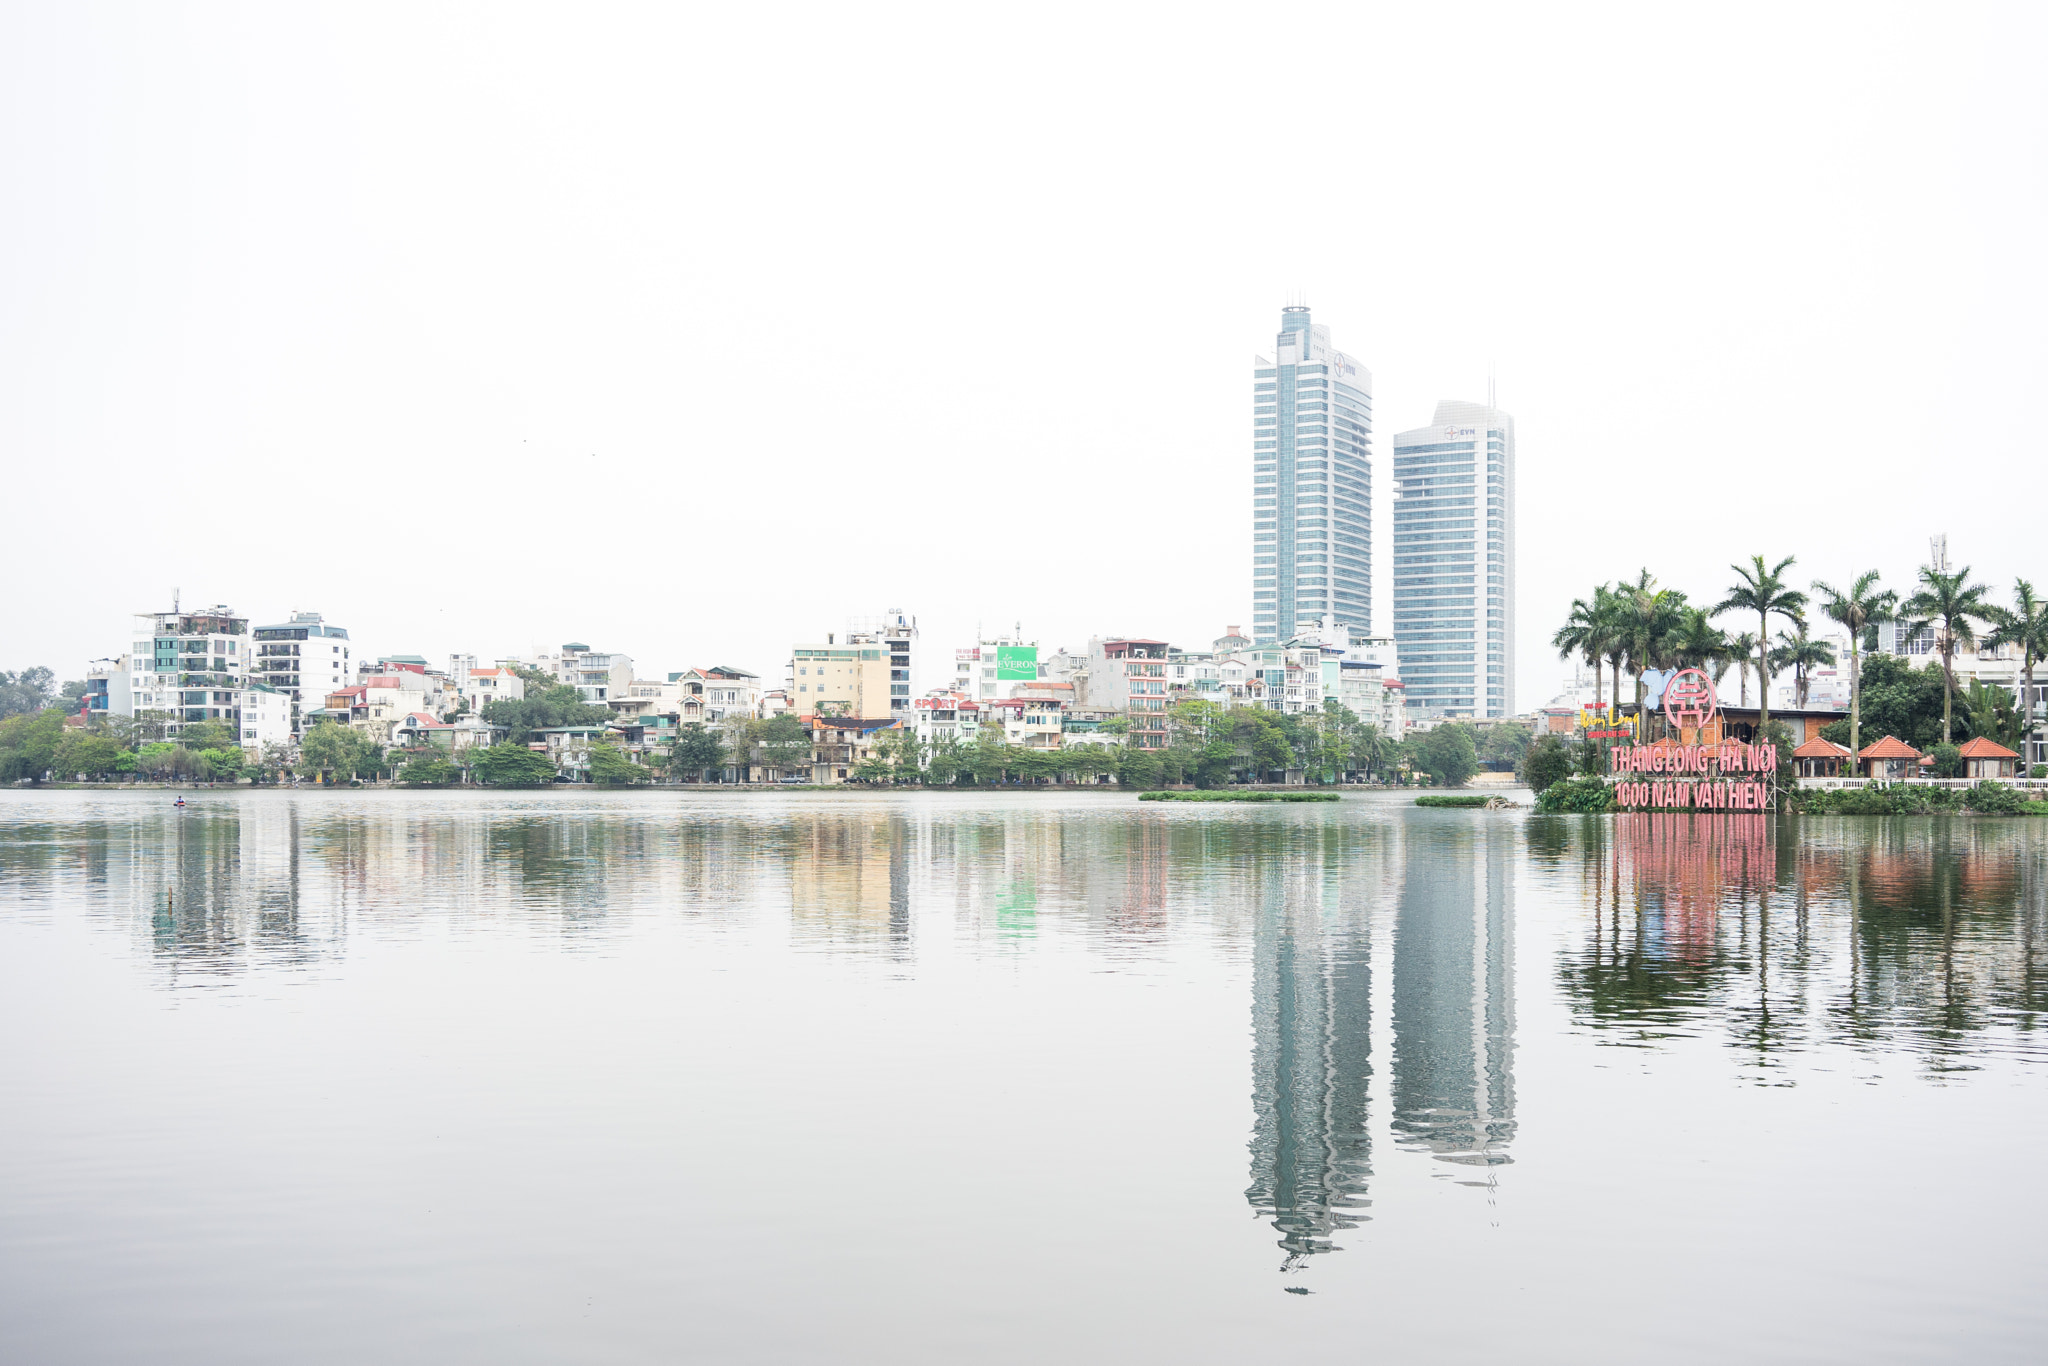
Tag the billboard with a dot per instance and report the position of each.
(1016, 662)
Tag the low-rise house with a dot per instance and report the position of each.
(1822, 758)
(379, 702)
(1890, 759)
(1087, 726)
(652, 734)
(841, 744)
(643, 697)
(266, 717)
(722, 693)
(1029, 722)
(569, 748)
(419, 728)
(1984, 758)
(949, 717)
(481, 687)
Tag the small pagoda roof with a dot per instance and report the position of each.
(1891, 747)
(1817, 748)
(1981, 748)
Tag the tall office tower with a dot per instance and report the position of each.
(1311, 485)
(1454, 562)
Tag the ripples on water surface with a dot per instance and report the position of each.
(368, 1076)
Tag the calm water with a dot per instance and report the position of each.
(654, 1078)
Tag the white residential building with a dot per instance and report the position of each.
(269, 717)
(987, 671)
(946, 717)
(1030, 722)
(722, 692)
(304, 658)
(480, 685)
(644, 697)
(596, 675)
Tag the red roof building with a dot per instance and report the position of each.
(1819, 758)
(1984, 758)
(1890, 757)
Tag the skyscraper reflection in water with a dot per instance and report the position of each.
(1311, 1030)
(1453, 1006)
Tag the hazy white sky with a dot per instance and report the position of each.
(691, 332)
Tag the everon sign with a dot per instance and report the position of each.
(1016, 663)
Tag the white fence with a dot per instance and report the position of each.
(1837, 784)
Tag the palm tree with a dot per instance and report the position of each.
(1580, 635)
(1800, 653)
(1761, 589)
(1863, 605)
(1649, 621)
(1611, 612)
(2025, 625)
(1698, 643)
(1953, 603)
(1742, 650)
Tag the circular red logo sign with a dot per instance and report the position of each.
(1689, 699)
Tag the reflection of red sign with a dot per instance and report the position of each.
(1689, 699)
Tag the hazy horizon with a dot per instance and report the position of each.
(693, 335)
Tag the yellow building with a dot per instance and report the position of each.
(841, 680)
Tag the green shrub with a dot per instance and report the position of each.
(1581, 795)
(1948, 761)
(1238, 796)
(1463, 800)
(1995, 799)
(1548, 761)
(427, 770)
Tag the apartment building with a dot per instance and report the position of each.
(187, 667)
(304, 658)
(1127, 674)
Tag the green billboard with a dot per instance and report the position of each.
(1016, 662)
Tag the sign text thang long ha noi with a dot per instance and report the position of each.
(1700, 770)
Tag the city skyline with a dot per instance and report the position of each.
(230, 331)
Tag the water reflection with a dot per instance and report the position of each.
(1454, 1005)
(1916, 938)
(1923, 936)
(1311, 1051)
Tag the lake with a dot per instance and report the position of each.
(1028, 1077)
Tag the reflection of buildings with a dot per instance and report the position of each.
(1311, 1012)
(1454, 1007)
(849, 879)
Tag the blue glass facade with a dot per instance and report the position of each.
(1311, 485)
(1454, 562)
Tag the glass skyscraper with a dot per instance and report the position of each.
(1311, 485)
(1454, 562)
